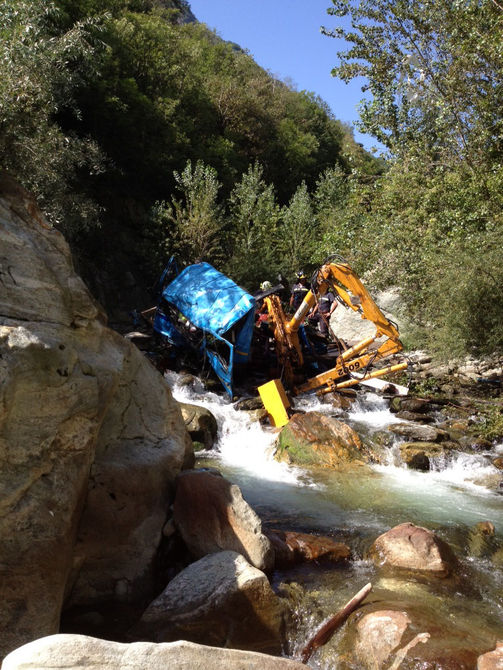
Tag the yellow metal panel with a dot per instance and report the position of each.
(275, 401)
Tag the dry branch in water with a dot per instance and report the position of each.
(325, 632)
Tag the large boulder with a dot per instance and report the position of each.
(313, 439)
(90, 437)
(220, 600)
(212, 515)
(413, 548)
(79, 652)
(200, 423)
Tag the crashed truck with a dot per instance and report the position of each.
(202, 309)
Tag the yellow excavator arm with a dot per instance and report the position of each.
(353, 365)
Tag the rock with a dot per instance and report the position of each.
(418, 432)
(349, 326)
(220, 600)
(481, 539)
(497, 557)
(410, 404)
(413, 548)
(414, 416)
(249, 404)
(339, 400)
(291, 548)
(475, 443)
(498, 462)
(418, 455)
(492, 660)
(259, 415)
(211, 515)
(313, 439)
(90, 437)
(377, 635)
(408, 635)
(79, 652)
(200, 423)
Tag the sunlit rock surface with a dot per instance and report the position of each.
(212, 515)
(413, 548)
(90, 437)
(314, 439)
(79, 652)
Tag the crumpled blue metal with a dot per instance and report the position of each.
(215, 304)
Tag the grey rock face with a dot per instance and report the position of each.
(220, 600)
(79, 652)
(90, 438)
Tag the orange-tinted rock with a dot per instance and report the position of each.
(291, 547)
(413, 548)
(313, 439)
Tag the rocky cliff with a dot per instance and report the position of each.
(90, 438)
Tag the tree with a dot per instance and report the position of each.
(254, 217)
(42, 66)
(433, 71)
(196, 218)
(299, 234)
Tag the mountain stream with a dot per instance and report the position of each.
(355, 508)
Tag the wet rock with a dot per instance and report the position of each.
(413, 548)
(408, 635)
(200, 423)
(291, 548)
(211, 515)
(377, 635)
(79, 652)
(418, 455)
(414, 416)
(259, 415)
(339, 400)
(481, 539)
(410, 404)
(249, 404)
(497, 557)
(474, 443)
(186, 379)
(498, 462)
(418, 432)
(220, 600)
(313, 439)
(492, 660)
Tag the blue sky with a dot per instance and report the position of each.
(284, 37)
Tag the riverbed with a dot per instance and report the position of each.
(355, 508)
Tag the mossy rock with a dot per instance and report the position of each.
(315, 440)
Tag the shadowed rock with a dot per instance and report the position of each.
(219, 600)
(211, 515)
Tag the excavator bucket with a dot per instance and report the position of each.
(276, 402)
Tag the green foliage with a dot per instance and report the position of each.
(196, 217)
(299, 233)
(434, 72)
(253, 229)
(42, 66)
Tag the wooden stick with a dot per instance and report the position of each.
(326, 630)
